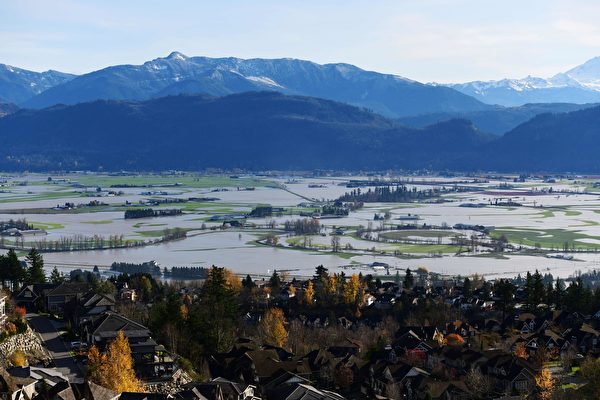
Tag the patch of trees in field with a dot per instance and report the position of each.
(20, 224)
(149, 267)
(398, 194)
(149, 212)
(306, 226)
(79, 242)
(186, 273)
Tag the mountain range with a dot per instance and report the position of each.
(388, 95)
(497, 120)
(577, 85)
(19, 85)
(269, 130)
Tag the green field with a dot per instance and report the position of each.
(188, 180)
(425, 234)
(46, 225)
(547, 238)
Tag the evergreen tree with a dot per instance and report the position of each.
(397, 279)
(275, 281)
(12, 269)
(56, 276)
(214, 317)
(35, 273)
(559, 292)
(409, 280)
(505, 291)
(247, 282)
(538, 294)
(467, 288)
(550, 296)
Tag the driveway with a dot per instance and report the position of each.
(58, 349)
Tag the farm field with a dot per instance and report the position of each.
(531, 220)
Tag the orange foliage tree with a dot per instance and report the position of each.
(521, 351)
(454, 339)
(114, 368)
(20, 312)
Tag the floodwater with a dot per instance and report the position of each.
(240, 251)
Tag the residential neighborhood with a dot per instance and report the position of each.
(414, 336)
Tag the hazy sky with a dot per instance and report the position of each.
(426, 40)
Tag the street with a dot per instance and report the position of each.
(58, 349)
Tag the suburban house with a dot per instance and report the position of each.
(62, 294)
(151, 360)
(28, 383)
(33, 297)
(82, 309)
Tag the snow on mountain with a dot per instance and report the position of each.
(390, 95)
(577, 85)
(18, 85)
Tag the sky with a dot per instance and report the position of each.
(426, 40)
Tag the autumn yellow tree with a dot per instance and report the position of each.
(309, 293)
(544, 384)
(114, 368)
(96, 365)
(233, 281)
(351, 287)
(272, 327)
(332, 284)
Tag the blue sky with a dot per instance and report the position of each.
(425, 40)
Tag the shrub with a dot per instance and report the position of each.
(20, 312)
(11, 328)
(18, 359)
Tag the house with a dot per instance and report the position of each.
(301, 391)
(510, 374)
(92, 391)
(29, 383)
(127, 293)
(151, 360)
(59, 296)
(78, 310)
(443, 390)
(32, 297)
(218, 389)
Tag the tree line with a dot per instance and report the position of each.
(149, 212)
(387, 194)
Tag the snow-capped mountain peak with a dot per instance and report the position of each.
(177, 56)
(577, 85)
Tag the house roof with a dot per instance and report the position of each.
(303, 391)
(37, 289)
(69, 288)
(109, 323)
(100, 392)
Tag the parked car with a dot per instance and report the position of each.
(77, 345)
